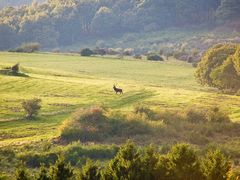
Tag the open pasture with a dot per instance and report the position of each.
(66, 82)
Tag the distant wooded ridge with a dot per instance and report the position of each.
(15, 3)
(61, 23)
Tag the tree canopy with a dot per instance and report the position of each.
(220, 67)
(60, 23)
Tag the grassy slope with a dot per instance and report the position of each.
(65, 82)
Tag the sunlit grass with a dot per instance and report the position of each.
(67, 82)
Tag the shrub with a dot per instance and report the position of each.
(154, 57)
(181, 54)
(21, 174)
(150, 164)
(100, 51)
(137, 56)
(28, 47)
(198, 138)
(132, 162)
(76, 153)
(234, 174)
(215, 115)
(143, 110)
(215, 165)
(184, 162)
(31, 107)
(86, 52)
(126, 164)
(35, 160)
(43, 174)
(128, 52)
(219, 67)
(195, 115)
(61, 170)
(211, 114)
(86, 125)
(195, 64)
(95, 124)
(90, 171)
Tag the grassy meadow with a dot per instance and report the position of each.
(66, 82)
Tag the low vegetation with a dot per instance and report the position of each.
(161, 104)
(154, 57)
(27, 48)
(195, 125)
(132, 162)
(86, 52)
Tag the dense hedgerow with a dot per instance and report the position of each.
(136, 163)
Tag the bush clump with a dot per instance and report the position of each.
(86, 52)
(154, 57)
(202, 115)
(132, 162)
(94, 124)
(27, 48)
(31, 107)
(145, 111)
(86, 125)
(220, 67)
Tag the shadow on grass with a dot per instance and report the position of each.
(130, 99)
(8, 72)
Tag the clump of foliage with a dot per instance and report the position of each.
(28, 48)
(184, 162)
(132, 162)
(98, 125)
(219, 67)
(201, 115)
(22, 174)
(61, 170)
(90, 171)
(85, 125)
(215, 165)
(154, 57)
(31, 107)
(145, 111)
(138, 56)
(86, 52)
(52, 27)
(126, 164)
(43, 174)
(95, 124)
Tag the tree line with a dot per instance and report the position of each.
(60, 23)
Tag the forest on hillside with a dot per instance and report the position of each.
(15, 3)
(60, 23)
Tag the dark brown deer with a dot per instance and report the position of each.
(117, 90)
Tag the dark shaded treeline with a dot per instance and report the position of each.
(60, 23)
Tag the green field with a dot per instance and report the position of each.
(67, 82)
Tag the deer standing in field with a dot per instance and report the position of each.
(117, 90)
